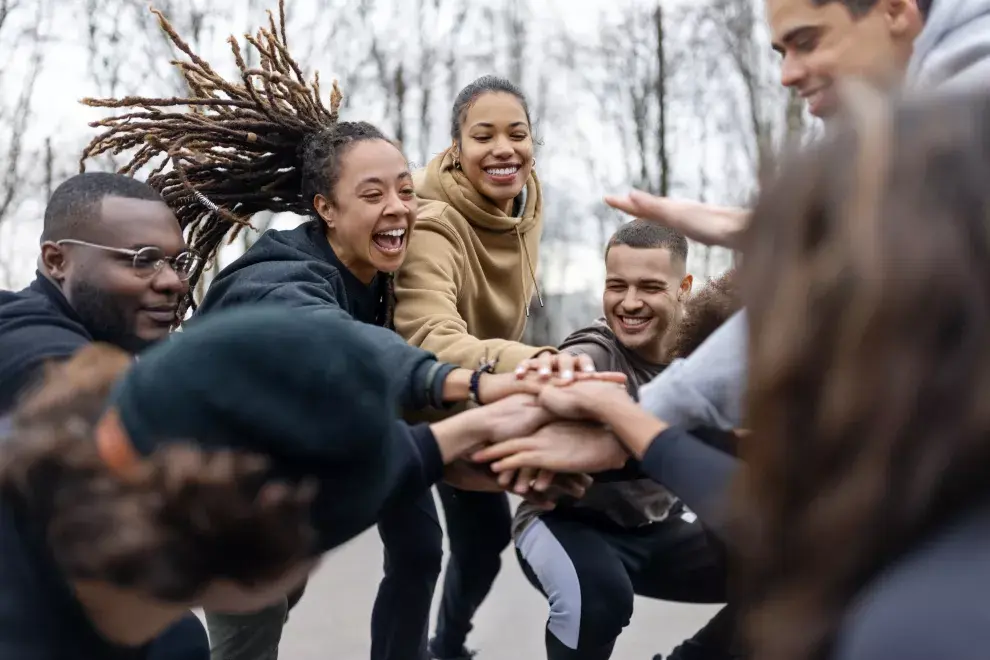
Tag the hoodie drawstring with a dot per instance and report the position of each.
(532, 272)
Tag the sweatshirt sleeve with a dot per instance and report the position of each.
(953, 52)
(707, 387)
(426, 303)
(419, 373)
(697, 473)
(417, 464)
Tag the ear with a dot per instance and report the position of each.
(325, 210)
(54, 261)
(685, 289)
(455, 150)
(904, 18)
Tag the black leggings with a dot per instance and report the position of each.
(478, 530)
(589, 570)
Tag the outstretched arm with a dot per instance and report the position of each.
(426, 311)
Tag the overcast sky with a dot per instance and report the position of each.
(64, 81)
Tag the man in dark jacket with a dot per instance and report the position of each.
(113, 268)
(630, 536)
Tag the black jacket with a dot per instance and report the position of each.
(37, 325)
(298, 268)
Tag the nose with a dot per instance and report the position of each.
(395, 205)
(792, 71)
(166, 280)
(631, 301)
(502, 148)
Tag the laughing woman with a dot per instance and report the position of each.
(266, 142)
(464, 294)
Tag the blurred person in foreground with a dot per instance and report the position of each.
(131, 492)
(862, 517)
(928, 45)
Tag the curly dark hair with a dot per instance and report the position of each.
(867, 283)
(183, 519)
(264, 143)
(703, 313)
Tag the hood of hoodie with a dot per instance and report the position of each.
(296, 255)
(440, 181)
(953, 49)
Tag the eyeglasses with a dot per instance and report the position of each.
(148, 261)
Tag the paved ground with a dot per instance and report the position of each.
(332, 620)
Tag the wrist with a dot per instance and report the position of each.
(457, 386)
(458, 435)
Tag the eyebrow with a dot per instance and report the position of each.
(486, 124)
(793, 35)
(380, 182)
(615, 278)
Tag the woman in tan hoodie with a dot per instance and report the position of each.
(464, 294)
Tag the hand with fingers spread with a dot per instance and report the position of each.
(705, 223)
(532, 376)
(581, 400)
(567, 447)
(562, 368)
(508, 418)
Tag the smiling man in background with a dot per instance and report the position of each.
(113, 268)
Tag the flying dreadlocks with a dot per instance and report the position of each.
(240, 150)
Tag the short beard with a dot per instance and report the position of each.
(103, 318)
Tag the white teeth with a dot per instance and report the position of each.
(393, 232)
(502, 171)
(630, 320)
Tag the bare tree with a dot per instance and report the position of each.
(24, 29)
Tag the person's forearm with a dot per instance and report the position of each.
(697, 473)
(457, 385)
(634, 427)
(457, 435)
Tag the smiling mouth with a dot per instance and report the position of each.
(634, 322)
(502, 173)
(391, 241)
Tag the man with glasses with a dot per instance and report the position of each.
(114, 268)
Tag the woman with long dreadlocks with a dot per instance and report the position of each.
(267, 143)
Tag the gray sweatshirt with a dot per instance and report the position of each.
(953, 51)
(706, 389)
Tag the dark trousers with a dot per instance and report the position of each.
(589, 570)
(478, 530)
(413, 544)
(183, 640)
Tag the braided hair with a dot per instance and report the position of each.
(264, 143)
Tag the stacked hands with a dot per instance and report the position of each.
(540, 431)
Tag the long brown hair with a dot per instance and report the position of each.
(867, 279)
(184, 518)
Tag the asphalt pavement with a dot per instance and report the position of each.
(332, 621)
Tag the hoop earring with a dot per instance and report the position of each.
(534, 162)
